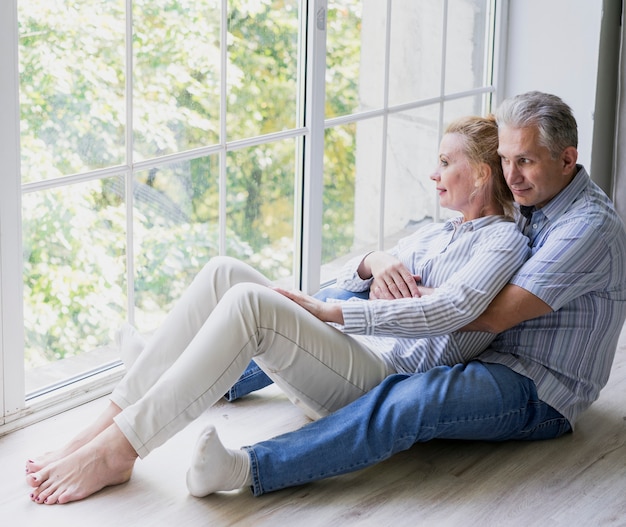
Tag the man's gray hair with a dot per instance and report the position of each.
(548, 113)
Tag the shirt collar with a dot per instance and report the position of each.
(457, 221)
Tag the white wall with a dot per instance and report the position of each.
(553, 47)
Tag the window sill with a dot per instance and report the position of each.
(54, 402)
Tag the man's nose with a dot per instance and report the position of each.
(512, 175)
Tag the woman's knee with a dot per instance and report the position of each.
(218, 264)
(252, 298)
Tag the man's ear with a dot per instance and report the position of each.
(569, 158)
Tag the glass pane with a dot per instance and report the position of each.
(74, 276)
(262, 67)
(475, 105)
(352, 165)
(355, 55)
(466, 57)
(260, 207)
(415, 50)
(413, 147)
(176, 209)
(71, 86)
(176, 75)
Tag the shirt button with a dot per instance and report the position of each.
(534, 225)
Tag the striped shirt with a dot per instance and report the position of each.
(467, 263)
(578, 268)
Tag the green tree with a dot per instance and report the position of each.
(73, 114)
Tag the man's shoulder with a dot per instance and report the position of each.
(591, 208)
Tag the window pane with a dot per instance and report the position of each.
(176, 48)
(467, 32)
(262, 67)
(74, 274)
(175, 232)
(410, 196)
(355, 53)
(415, 53)
(260, 207)
(71, 86)
(352, 153)
(456, 108)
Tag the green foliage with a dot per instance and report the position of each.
(73, 271)
(73, 118)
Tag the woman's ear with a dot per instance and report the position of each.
(483, 175)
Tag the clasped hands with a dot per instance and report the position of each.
(392, 280)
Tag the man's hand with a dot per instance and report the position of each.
(391, 277)
(325, 311)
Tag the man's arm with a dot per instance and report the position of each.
(510, 307)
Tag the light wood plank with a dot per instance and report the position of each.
(578, 480)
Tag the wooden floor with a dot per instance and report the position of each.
(579, 480)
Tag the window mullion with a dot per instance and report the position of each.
(384, 145)
(313, 184)
(129, 174)
(223, 166)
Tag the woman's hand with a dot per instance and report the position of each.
(392, 279)
(325, 311)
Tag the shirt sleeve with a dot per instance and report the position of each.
(458, 301)
(408, 249)
(574, 262)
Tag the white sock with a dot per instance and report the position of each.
(130, 343)
(215, 467)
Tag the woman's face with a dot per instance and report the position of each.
(456, 179)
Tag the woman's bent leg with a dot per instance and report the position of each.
(181, 325)
(164, 348)
(474, 402)
(318, 366)
(254, 378)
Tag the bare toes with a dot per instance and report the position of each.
(34, 480)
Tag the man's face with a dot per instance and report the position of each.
(530, 172)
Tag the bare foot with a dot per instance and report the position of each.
(106, 460)
(214, 467)
(89, 433)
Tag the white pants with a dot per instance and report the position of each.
(227, 317)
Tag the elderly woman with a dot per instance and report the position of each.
(323, 355)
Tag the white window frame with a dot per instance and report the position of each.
(16, 412)
(11, 333)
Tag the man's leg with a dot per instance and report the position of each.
(474, 402)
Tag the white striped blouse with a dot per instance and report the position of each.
(467, 263)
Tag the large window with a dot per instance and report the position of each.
(156, 134)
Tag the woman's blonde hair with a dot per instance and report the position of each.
(480, 139)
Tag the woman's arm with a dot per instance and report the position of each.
(392, 279)
(325, 311)
(479, 268)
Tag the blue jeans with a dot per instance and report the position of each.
(474, 401)
(254, 378)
